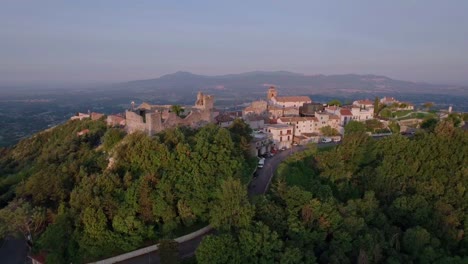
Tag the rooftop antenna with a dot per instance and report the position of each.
(133, 105)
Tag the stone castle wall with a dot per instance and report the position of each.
(158, 120)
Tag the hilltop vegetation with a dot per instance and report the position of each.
(85, 197)
(395, 200)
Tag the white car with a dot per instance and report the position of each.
(326, 140)
(261, 162)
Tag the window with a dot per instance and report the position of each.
(281, 139)
(288, 138)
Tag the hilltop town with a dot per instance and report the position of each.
(278, 122)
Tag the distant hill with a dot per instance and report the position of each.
(287, 83)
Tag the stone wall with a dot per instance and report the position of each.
(159, 118)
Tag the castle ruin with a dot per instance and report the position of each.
(152, 119)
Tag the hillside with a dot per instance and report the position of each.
(83, 198)
(394, 200)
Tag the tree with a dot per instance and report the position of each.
(218, 249)
(376, 106)
(373, 124)
(259, 244)
(177, 109)
(328, 131)
(394, 127)
(231, 209)
(455, 119)
(428, 105)
(169, 251)
(112, 137)
(429, 124)
(335, 102)
(19, 217)
(57, 240)
(355, 127)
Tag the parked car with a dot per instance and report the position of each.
(261, 162)
(326, 140)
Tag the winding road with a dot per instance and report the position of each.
(258, 185)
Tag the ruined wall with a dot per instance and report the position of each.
(134, 122)
(158, 120)
(153, 123)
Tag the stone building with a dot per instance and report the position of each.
(276, 106)
(152, 119)
(281, 135)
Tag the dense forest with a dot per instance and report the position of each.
(393, 200)
(79, 197)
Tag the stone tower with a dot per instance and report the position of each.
(271, 92)
(204, 101)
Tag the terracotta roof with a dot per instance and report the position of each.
(96, 116)
(82, 132)
(285, 99)
(334, 117)
(345, 112)
(333, 107)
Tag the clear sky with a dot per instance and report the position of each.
(94, 40)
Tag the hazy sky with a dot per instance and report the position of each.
(80, 41)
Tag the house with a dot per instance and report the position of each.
(345, 116)
(300, 124)
(388, 100)
(362, 114)
(364, 104)
(96, 116)
(260, 144)
(327, 119)
(256, 108)
(255, 122)
(279, 111)
(281, 135)
(309, 109)
(224, 120)
(291, 101)
(115, 120)
(80, 116)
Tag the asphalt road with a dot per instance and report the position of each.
(14, 251)
(258, 185)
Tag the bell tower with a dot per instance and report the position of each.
(271, 92)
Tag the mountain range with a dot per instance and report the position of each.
(288, 83)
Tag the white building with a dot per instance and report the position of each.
(260, 144)
(364, 104)
(360, 114)
(281, 135)
(291, 101)
(301, 124)
(327, 119)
